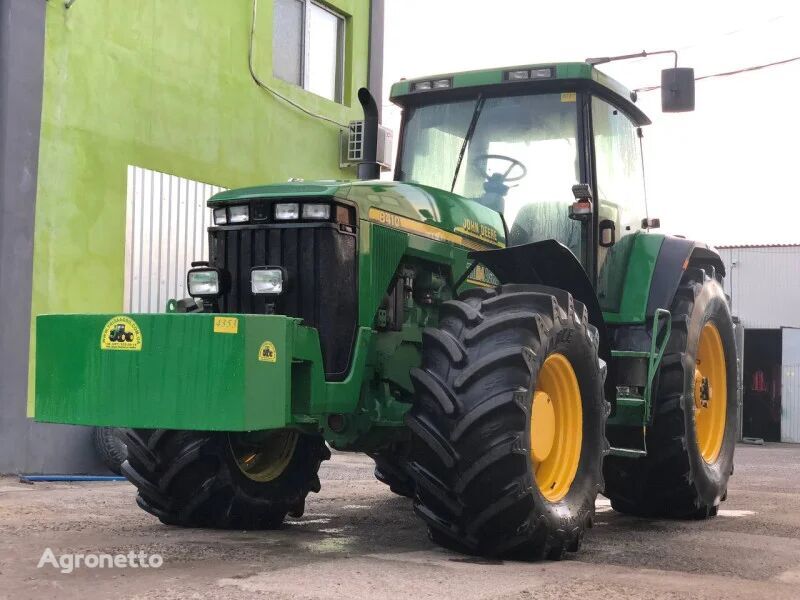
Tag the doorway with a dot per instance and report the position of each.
(761, 384)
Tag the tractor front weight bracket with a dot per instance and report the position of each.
(194, 371)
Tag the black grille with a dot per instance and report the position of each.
(322, 269)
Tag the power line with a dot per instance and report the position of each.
(729, 73)
(712, 39)
(748, 28)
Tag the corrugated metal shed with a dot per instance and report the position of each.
(764, 284)
(167, 219)
(790, 386)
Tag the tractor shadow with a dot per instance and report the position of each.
(344, 525)
(361, 525)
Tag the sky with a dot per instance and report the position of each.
(724, 173)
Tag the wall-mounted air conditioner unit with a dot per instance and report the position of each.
(351, 146)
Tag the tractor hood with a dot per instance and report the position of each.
(410, 207)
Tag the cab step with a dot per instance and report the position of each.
(634, 404)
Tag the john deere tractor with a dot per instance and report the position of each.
(499, 327)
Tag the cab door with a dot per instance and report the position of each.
(619, 195)
(619, 185)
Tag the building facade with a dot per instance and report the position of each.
(145, 109)
(763, 285)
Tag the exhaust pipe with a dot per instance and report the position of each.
(369, 168)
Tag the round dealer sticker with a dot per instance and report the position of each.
(121, 333)
(267, 352)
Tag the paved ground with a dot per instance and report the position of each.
(357, 540)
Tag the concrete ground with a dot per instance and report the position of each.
(357, 540)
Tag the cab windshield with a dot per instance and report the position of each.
(517, 155)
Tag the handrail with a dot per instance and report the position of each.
(656, 354)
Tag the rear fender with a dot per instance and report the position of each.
(675, 256)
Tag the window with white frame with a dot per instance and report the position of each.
(308, 47)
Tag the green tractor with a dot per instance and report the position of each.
(499, 328)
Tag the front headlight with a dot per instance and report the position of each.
(239, 214)
(220, 216)
(317, 212)
(287, 211)
(203, 283)
(267, 280)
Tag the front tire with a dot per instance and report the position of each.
(391, 469)
(508, 423)
(110, 447)
(692, 439)
(223, 480)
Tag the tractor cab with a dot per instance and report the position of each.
(517, 140)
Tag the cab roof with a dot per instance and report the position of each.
(568, 76)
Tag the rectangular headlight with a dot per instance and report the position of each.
(526, 74)
(421, 86)
(239, 214)
(203, 283)
(220, 216)
(518, 75)
(441, 84)
(267, 280)
(545, 73)
(287, 211)
(320, 212)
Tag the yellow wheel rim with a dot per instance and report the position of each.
(266, 458)
(556, 428)
(710, 393)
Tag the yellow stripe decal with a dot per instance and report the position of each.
(382, 217)
(479, 283)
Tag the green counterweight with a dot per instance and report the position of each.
(190, 371)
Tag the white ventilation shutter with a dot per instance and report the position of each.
(166, 222)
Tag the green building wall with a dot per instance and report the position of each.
(163, 85)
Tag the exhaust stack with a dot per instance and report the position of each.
(369, 168)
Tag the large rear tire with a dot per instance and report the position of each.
(691, 441)
(508, 423)
(222, 480)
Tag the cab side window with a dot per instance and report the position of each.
(618, 159)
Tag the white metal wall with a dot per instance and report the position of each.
(790, 386)
(764, 285)
(166, 223)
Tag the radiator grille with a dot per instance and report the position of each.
(321, 262)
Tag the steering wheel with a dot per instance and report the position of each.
(481, 162)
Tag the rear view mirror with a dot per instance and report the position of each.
(677, 89)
